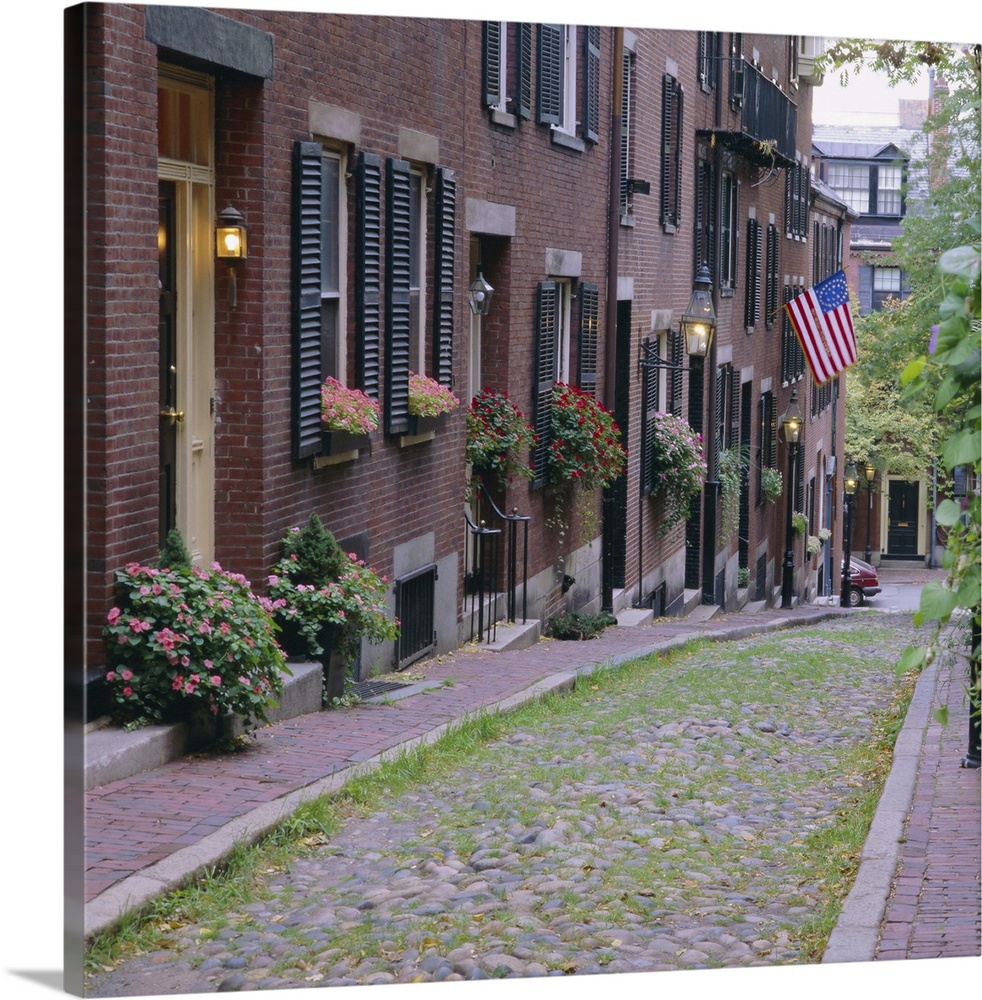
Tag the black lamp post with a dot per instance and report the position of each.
(791, 426)
(870, 471)
(851, 482)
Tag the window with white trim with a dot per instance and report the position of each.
(886, 285)
(557, 77)
(417, 270)
(334, 354)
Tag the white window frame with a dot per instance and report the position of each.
(568, 123)
(502, 105)
(417, 280)
(334, 300)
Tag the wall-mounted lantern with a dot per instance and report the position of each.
(231, 246)
(698, 322)
(479, 295)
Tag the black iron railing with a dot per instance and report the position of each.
(482, 581)
(768, 114)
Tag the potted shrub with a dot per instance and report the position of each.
(799, 523)
(429, 402)
(185, 644)
(678, 465)
(498, 438)
(326, 600)
(731, 464)
(348, 415)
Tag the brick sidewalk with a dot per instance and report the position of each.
(934, 909)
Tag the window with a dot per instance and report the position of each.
(405, 288)
(506, 70)
(767, 437)
(704, 243)
(591, 85)
(796, 191)
(728, 232)
(886, 285)
(652, 395)
(869, 188)
(557, 77)
(319, 249)
(792, 356)
(709, 47)
(671, 145)
(736, 71)
(586, 352)
(551, 363)
(793, 45)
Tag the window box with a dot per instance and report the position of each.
(426, 425)
(341, 446)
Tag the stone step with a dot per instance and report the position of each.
(703, 612)
(628, 617)
(513, 635)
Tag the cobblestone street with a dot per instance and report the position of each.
(658, 824)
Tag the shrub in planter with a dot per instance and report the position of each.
(428, 398)
(348, 410)
(771, 484)
(679, 467)
(183, 641)
(317, 591)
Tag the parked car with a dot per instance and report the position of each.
(864, 583)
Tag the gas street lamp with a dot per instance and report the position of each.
(791, 427)
(851, 478)
(870, 471)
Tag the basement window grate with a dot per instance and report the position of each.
(415, 595)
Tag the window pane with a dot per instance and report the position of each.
(851, 183)
(888, 197)
(330, 228)
(886, 279)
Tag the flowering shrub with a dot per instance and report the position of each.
(184, 638)
(799, 523)
(813, 545)
(427, 398)
(771, 484)
(497, 435)
(344, 409)
(316, 584)
(585, 447)
(678, 465)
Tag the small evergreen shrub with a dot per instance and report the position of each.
(578, 625)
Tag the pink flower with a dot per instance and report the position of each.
(111, 676)
(113, 616)
(127, 691)
(216, 680)
(208, 664)
(178, 682)
(185, 661)
(126, 674)
(244, 680)
(189, 688)
(122, 639)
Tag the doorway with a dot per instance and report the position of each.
(186, 324)
(903, 517)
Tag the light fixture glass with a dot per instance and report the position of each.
(851, 478)
(230, 236)
(480, 294)
(791, 421)
(699, 319)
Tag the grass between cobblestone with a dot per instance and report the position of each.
(779, 679)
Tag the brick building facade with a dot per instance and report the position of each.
(377, 164)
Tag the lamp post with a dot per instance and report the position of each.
(870, 471)
(851, 482)
(791, 426)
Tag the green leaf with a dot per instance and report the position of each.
(913, 370)
(959, 260)
(937, 603)
(941, 715)
(962, 448)
(948, 513)
(912, 658)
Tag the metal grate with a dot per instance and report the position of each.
(761, 592)
(415, 601)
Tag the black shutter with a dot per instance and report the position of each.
(544, 374)
(677, 358)
(550, 90)
(754, 251)
(491, 64)
(587, 348)
(446, 229)
(671, 140)
(523, 70)
(770, 294)
(591, 83)
(649, 407)
(397, 284)
(308, 159)
(368, 273)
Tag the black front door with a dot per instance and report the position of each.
(903, 514)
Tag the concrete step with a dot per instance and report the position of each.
(754, 607)
(112, 754)
(513, 635)
(628, 617)
(703, 612)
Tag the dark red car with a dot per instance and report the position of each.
(864, 583)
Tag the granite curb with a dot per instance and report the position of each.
(856, 933)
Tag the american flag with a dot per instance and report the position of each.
(823, 323)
